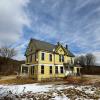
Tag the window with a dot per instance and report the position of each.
(42, 56)
(32, 70)
(35, 56)
(61, 70)
(24, 69)
(50, 57)
(59, 58)
(62, 58)
(42, 69)
(56, 69)
(71, 61)
(50, 69)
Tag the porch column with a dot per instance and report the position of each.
(29, 69)
(21, 69)
(80, 71)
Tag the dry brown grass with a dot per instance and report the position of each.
(18, 81)
(76, 80)
(67, 80)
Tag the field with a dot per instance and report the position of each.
(76, 89)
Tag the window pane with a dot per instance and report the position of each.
(35, 56)
(61, 69)
(62, 58)
(71, 61)
(42, 56)
(24, 69)
(56, 69)
(50, 57)
(42, 69)
(50, 69)
(59, 58)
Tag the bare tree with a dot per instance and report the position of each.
(87, 60)
(81, 60)
(7, 52)
(90, 59)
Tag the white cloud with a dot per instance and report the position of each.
(97, 55)
(52, 20)
(20, 49)
(12, 19)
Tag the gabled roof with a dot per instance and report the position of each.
(70, 54)
(42, 45)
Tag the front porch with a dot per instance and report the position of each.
(28, 70)
(72, 70)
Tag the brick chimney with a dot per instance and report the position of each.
(58, 43)
(66, 46)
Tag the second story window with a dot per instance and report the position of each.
(62, 58)
(56, 69)
(59, 58)
(42, 69)
(35, 56)
(42, 56)
(50, 57)
(72, 61)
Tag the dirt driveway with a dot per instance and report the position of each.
(8, 77)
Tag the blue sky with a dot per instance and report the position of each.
(72, 22)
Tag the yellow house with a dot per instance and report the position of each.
(47, 61)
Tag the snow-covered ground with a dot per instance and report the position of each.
(27, 87)
(50, 92)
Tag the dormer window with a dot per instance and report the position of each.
(42, 56)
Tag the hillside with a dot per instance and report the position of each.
(91, 70)
(9, 66)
